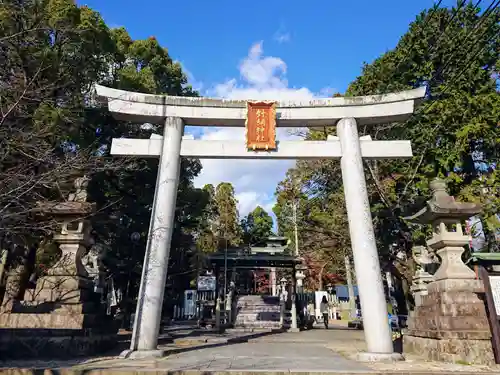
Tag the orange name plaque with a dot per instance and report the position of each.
(261, 125)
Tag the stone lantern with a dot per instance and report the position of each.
(449, 322)
(283, 282)
(69, 279)
(300, 276)
(64, 308)
(448, 239)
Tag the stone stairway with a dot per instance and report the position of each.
(257, 312)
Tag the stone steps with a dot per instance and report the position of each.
(265, 308)
(254, 312)
(259, 325)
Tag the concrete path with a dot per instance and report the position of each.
(316, 351)
(263, 356)
(278, 352)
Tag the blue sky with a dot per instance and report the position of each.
(270, 49)
(327, 40)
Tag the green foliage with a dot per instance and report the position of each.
(320, 217)
(144, 66)
(218, 226)
(51, 53)
(51, 131)
(257, 226)
(227, 229)
(455, 134)
(207, 241)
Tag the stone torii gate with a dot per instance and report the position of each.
(345, 113)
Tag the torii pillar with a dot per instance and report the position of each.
(364, 248)
(346, 113)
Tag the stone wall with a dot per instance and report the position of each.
(50, 344)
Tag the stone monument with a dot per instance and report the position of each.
(63, 315)
(422, 258)
(93, 264)
(450, 321)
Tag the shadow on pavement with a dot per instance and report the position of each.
(192, 339)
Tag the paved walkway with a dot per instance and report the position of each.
(257, 356)
(316, 351)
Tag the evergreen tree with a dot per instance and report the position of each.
(454, 135)
(51, 131)
(227, 229)
(257, 226)
(207, 240)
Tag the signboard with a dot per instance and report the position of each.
(206, 283)
(261, 125)
(190, 303)
(495, 291)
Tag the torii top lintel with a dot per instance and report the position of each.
(373, 109)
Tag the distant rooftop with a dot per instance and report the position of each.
(272, 241)
(252, 261)
(273, 244)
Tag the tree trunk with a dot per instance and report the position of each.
(320, 277)
(20, 265)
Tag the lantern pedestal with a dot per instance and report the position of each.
(63, 316)
(449, 322)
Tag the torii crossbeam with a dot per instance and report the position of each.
(204, 149)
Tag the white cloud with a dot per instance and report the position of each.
(282, 35)
(282, 38)
(248, 200)
(261, 77)
(254, 180)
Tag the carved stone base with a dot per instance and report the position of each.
(51, 321)
(60, 334)
(451, 324)
(450, 350)
(60, 318)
